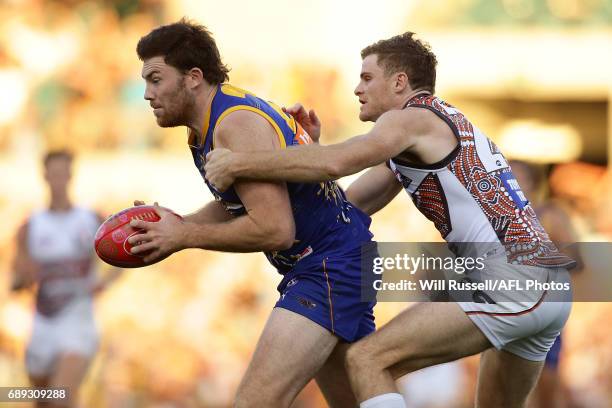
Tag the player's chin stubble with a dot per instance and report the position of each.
(177, 112)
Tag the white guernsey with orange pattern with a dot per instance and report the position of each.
(472, 196)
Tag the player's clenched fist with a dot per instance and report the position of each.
(218, 169)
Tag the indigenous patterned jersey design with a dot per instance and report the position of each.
(472, 196)
(325, 221)
(61, 242)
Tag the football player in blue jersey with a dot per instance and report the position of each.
(309, 231)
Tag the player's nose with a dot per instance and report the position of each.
(148, 95)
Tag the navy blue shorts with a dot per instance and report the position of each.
(552, 358)
(327, 290)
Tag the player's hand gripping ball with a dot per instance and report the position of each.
(111, 240)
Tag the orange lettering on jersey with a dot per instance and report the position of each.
(301, 137)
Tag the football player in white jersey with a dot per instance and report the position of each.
(55, 253)
(459, 180)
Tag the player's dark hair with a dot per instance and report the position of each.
(404, 53)
(185, 45)
(57, 154)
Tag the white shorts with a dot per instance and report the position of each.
(522, 322)
(73, 331)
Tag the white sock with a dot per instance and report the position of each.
(391, 400)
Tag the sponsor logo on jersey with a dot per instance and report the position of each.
(513, 189)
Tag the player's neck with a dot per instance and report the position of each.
(202, 105)
(412, 94)
(60, 202)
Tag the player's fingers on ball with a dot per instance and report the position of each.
(135, 239)
(134, 223)
(139, 202)
(136, 249)
(161, 211)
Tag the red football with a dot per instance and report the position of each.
(111, 238)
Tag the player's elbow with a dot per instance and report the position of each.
(280, 237)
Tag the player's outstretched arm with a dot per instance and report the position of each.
(211, 212)
(394, 132)
(374, 190)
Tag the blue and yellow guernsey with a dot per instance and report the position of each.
(326, 223)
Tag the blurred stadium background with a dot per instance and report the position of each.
(534, 75)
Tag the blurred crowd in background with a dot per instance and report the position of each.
(534, 75)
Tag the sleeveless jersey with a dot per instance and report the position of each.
(325, 222)
(61, 242)
(472, 196)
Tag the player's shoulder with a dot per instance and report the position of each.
(244, 129)
(240, 121)
(36, 216)
(424, 120)
(229, 90)
(230, 98)
(410, 119)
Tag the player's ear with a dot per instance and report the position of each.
(195, 77)
(401, 81)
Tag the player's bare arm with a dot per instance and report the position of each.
(212, 212)
(265, 203)
(373, 190)
(394, 132)
(25, 269)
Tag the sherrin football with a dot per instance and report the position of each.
(111, 240)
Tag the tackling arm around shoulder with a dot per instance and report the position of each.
(393, 133)
(268, 223)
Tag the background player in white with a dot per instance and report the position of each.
(55, 253)
(460, 181)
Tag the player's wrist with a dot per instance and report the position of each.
(238, 165)
(190, 235)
